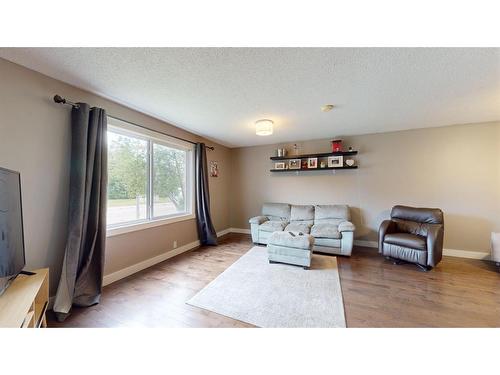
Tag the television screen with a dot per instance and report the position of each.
(12, 258)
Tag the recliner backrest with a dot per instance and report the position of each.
(276, 211)
(415, 220)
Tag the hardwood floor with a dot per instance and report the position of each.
(458, 293)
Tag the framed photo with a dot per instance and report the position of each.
(312, 163)
(335, 161)
(279, 165)
(214, 169)
(294, 164)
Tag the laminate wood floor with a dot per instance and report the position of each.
(458, 293)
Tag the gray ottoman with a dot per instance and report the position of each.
(282, 247)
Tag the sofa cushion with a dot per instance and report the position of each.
(326, 242)
(408, 240)
(333, 211)
(325, 231)
(298, 227)
(285, 239)
(273, 226)
(302, 213)
(276, 211)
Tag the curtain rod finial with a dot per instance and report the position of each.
(59, 99)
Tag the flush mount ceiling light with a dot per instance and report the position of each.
(327, 107)
(264, 127)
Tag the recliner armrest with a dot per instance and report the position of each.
(386, 227)
(346, 226)
(258, 220)
(435, 236)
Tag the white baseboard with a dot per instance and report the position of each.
(115, 276)
(223, 232)
(364, 243)
(446, 252)
(239, 230)
(118, 275)
(466, 254)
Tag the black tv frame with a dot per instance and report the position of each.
(22, 227)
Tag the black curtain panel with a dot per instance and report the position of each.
(82, 272)
(206, 230)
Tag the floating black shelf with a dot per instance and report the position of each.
(321, 155)
(312, 169)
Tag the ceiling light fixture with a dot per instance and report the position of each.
(264, 127)
(327, 107)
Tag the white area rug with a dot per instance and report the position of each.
(276, 295)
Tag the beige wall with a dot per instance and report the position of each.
(35, 140)
(456, 168)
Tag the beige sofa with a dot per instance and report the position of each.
(329, 225)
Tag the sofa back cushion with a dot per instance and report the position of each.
(276, 211)
(302, 213)
(332, 213)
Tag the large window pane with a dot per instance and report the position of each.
(127, 178)
(169, 180)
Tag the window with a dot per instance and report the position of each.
(150, 178)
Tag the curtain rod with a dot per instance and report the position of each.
(60, 100)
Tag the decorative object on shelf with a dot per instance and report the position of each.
(303, 164)
(322, 164)
(214, 169)
(312, 163)
(350, 162)
(294, 164)
(350, 149)
(281, 152)
(337, 145)
(280, 165)
(335, 161)
(295, 150)
(264, 127)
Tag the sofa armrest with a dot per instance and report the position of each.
(387, 226)
(258, 220)
(346, 226)
(435, 236)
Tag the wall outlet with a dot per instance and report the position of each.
(174, 245)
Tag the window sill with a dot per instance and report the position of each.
(127, 228)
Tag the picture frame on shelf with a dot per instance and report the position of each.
(335, 161)
(312, 163)
(280, 165)
(294, 164)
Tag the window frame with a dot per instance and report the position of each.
(152, 137)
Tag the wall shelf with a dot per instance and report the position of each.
(312, 169)
(321, 155)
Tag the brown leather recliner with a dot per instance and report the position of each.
(413, 235)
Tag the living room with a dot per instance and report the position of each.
(296, 186)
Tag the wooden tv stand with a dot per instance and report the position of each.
(24, 303)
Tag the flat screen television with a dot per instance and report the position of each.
(12, 257)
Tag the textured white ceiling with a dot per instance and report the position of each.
(220, 92)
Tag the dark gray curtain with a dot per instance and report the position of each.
(206, 231)
(81, 277)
